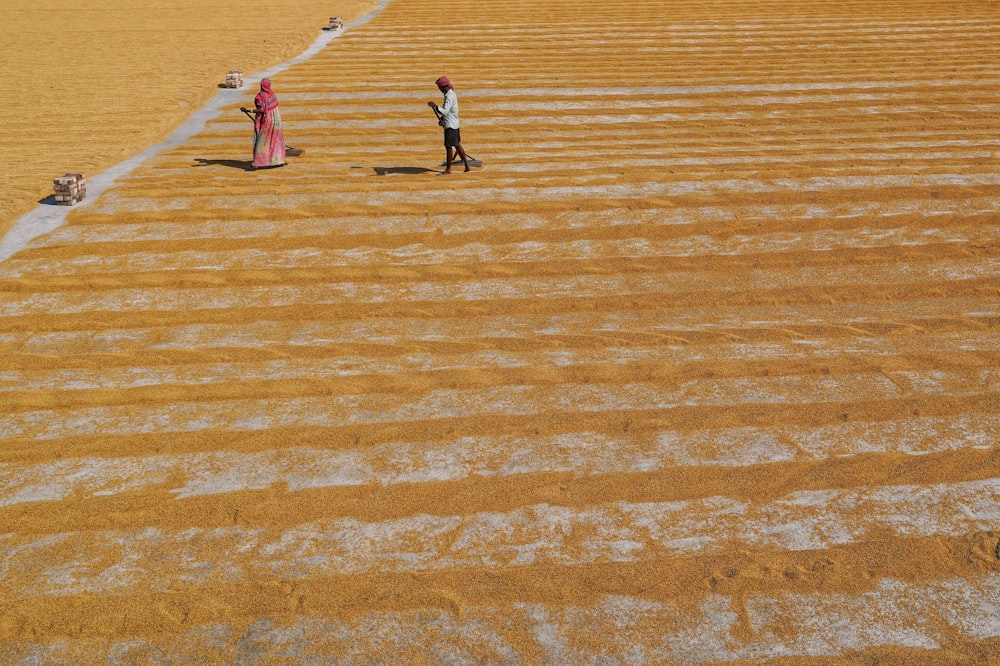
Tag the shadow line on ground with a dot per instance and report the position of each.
(234, 164)
(404, 170)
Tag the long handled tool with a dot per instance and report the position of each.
(457, 160)
(289, 151)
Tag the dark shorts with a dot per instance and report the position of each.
(452, 137)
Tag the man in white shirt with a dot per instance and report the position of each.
(448, 119)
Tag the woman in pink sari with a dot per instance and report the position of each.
(268, 139)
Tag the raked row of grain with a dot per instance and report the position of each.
(701, 367)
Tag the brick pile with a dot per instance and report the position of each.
(70, 189)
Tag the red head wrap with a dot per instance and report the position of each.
(265, 99)
(443, 81)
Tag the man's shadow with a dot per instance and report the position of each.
(234, 164)
(409, 171)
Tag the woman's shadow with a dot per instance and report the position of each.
(234, 164)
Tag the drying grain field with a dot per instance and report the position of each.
(702, 367)
(89, 83)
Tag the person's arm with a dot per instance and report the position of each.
(450, 103)
(437, 112)
(256, 115)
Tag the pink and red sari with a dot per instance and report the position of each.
(268, 139)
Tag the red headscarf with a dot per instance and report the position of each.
(265, 99)
(443, 81)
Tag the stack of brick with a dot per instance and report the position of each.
(335, 24)
(234, 79)
(70, 189)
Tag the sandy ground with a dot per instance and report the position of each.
(701, 367)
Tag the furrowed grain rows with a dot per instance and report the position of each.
(702, 366)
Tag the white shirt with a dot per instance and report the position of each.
(449, 110)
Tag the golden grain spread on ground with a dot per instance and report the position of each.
(88, 83)
(702, 367)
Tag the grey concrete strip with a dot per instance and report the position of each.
(46, 217)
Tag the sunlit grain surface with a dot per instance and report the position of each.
(89, 83)
(701, 367)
